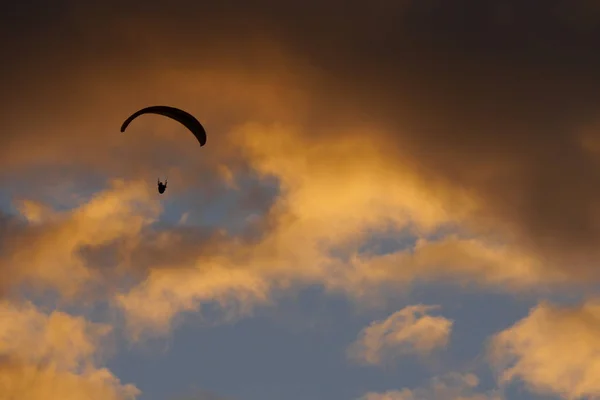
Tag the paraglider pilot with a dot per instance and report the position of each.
(162, 186)
(183, 117)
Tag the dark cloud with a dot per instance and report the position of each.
(496, 99)
(491, 96)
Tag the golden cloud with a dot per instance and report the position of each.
(407, 331)
(359, 142)
(333, 194)
(54, 355)
(553, 350)
(45, 252)
(401, 125)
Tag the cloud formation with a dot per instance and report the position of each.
(342, 175)
(452, 386)
(392, 116)
(493, 161)
(55, 355)
(408, 331)
(45, 248)
(553, 350)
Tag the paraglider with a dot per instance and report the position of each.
(183, 117)
(186, 119)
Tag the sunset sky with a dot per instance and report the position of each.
(398, 200)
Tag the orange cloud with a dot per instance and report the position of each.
(407, 331)
(553, 350)
(452, 259)
(355, 151)
(424, 134)
(152, 305)
(46, 251)
(364, 129)
(333, 194)
(54, 354)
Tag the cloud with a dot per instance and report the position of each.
(553, 350)
(407, 331)
(452, 386)
(408, 122)
(152, 305)
(45, 250)
(387, 117)
(449, 259)
(350, 138)
(54, 355)
(177, 269)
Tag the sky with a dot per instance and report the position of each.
(398, 200)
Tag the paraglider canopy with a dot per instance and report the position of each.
(186, 119)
